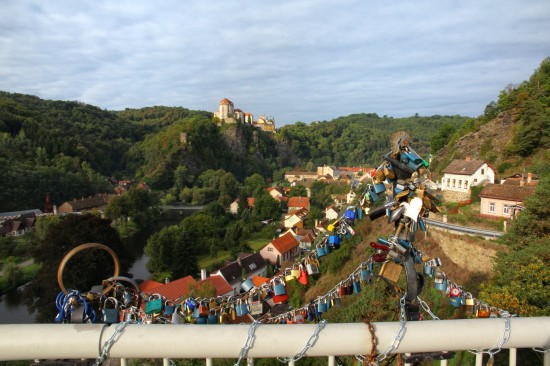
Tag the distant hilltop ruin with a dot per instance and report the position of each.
(227, 113)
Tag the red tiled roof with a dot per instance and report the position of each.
(259, 280)
(148, 285)
(226, 101)
(221, 285)
(251, 201)
(285, 243)
(507, 192)
(298, 202)
(174, 289)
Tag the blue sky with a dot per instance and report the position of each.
(296, 60)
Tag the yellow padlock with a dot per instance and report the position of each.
(330, 227)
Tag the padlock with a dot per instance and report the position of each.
(359, 213)
(191, 303)
(334, 241)
(322, 305)
(388, 172)
(342, 290)
(349, 214)
(366, 271)
(288, 275)
(483, 311)
(493, 312)
(303, 276)
(154, 304)
(320, 249)
(201, 320)
(279, 290)
(312, 266)
(168, 308)
(295, 271)
(203, 308)
(212, 317)
(177, 317)
(335, 300)
(428, 269)
(356, 286)
(241, 308)
(469, 303)
(247, 285)
(454, 297)
(440, 281)
(110, 315)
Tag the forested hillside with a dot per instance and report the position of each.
(61, 148)
(513, 134)
(359, 138)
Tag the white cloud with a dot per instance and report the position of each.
(306, 60)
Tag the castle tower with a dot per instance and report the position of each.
(226, 109)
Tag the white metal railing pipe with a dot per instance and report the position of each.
(69, 341)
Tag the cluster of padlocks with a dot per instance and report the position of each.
(407, 201)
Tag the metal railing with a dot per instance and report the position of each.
(464, 229)
(192, 341)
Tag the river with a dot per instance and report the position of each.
(13, 311)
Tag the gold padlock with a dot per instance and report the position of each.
(388, 172)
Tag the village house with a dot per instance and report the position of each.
(227, 113)
(295, 219)
(234, 207)
(296, 203)
(286, 247)
(331, 213)
(97, 202)
(275, 193)
(297, 176)
(182, 287)
(18, 222)
(460, 175)
(306, 238)
(247, 264)
(506, 200)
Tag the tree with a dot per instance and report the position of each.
(253, 185)
(84, 270)
(297, 191)
(172, 250)
(266, 207)
(520, 281)
(12, 271)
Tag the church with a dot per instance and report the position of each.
(227, 113)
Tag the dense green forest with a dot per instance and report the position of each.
(360, 139)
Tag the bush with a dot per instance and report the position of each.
(502, 167)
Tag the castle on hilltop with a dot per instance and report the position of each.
(227, 113)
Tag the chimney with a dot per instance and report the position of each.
(166, 280)
(529, 177)
(468, 158)
(203, 274)
(55, 209)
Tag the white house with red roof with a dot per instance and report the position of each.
(286, 247)
(460, 175)
(274, 192)
(296, 203)
(295, 219)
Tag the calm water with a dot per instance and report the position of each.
(12, 311)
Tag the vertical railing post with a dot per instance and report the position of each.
(123, 362)
(547, 359)
(479, 359)
(331, 360)
(249, 361)
(165, 362)
(209, 362)
(513, 357)
(443, 363)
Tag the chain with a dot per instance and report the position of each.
(427, 308)
(400, 333)
(249, 342)
(107, 345)
(540, 349)
(505, 337)
(369, 360)
(310, 343)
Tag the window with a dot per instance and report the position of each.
(465, 184)
(475, 180)
(506, 209)
(454, 183)
(269, 249)
(491, 207)
(482, 171)
(252, 266)
(448, 182)
(460, 184)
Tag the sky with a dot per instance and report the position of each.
(295, 60)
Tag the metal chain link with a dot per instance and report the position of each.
(107, 345)
(540, 349)
(427, 308)
(400, 333)
(505, 337)
(369, 360)
(249, 342)
(310, 343)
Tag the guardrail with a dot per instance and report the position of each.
(464, 229)
(90, 341)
